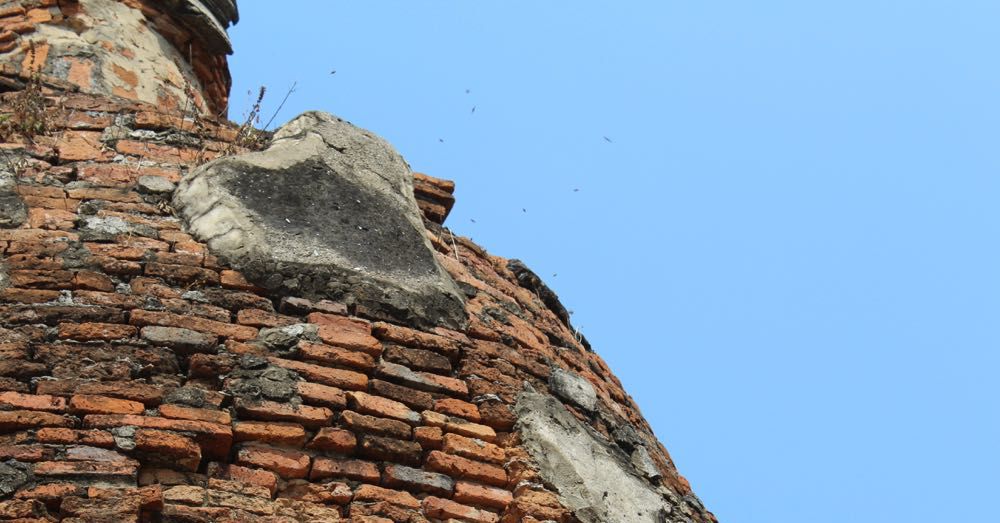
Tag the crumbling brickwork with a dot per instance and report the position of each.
(144, 379)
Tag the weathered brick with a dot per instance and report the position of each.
(95, 331)
(184, 340)
(250, 476)
(51, 492)
(259, 318)
(343, 334)
(333, 492)
(352, 469)
(87, 469)
(313, 417)
(323, 395)
(413, 398)
(382, 407)
(182, 274)
(482, 495)
(454, 407)
(336, 356)
(285, 463)
(344, 379)
(416, 339)
(179, 450)
(458, 426)
(94, 281)
(90, 404)
(284, 434)
(191, 413)
(421, 380)
(12, 420)
(399, 476)
(473, 449)
(462, 468)
(149, 395)
(440, 508)
(388, 449)
(61, 436)
(28, 453)
(333, 439)
(214, 439)
(430, 438)
(166, 319)
(372, 493)
(27, 510)
(234, 280)
(363, 424)
(418, 359)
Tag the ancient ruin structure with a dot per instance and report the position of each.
(201, 325)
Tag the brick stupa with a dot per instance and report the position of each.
(164, 360)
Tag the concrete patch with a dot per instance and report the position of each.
(595, 479)
(327, 211)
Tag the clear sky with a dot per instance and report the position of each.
(789, 250)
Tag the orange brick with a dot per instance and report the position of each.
(214, 439)
(209, 415)
(95, 331)
(416, 339)
(344, 379)
(33, 401)
(349, 338)
(285, 463)
(249, 476)
(87, 404)
(93, 437)
(285, 434)
(273, 411)
(475, 494)
(29, 453)
(234, 280)
(333, 439)
(42, 218)
(458, 426)
(351, 469)
(439, 508)
(51, 492)
(473, 449)
(104, 193)
(80, 146)
(317, 394)
(462, 468)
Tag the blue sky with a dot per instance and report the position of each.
(789, 252)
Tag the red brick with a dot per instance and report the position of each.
(23, 510)
(104, 193)
(33, 401)
(41, 218)
(41, 279)
(333, 439)
(413, 398)
(285, 463)
(382, 407)
(337, 356)
(51, 492)
(88, 404)
(282, 434)
(159, 153)
(333, 492)
(180, 450)
(13, 420)
(313, 417)
(80, 146)
(422, 380)
(389, 449)
(344, 379)
(166, 319)
(150, 497)
(182, 274)
(473, 449)
(454, 407)
(439, 508)
(209, 415)
(351, 469)
(373, 494)
(462, 468)
(481, 495)
(150, 395)
(95, 331)
(28, 295)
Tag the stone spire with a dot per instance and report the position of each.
(171, 53)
